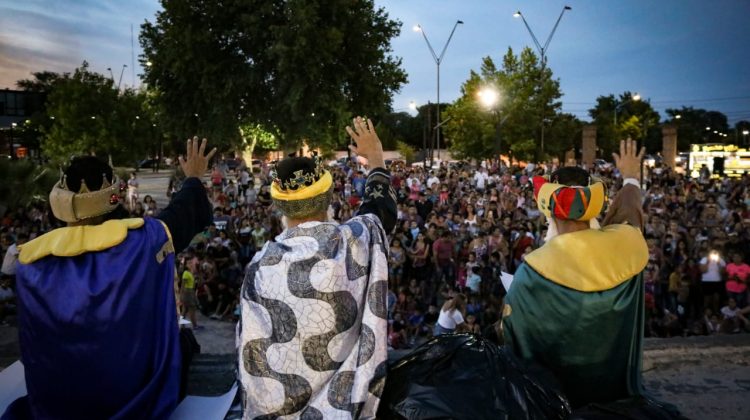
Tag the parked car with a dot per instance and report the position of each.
(150, 163)
(233, 164)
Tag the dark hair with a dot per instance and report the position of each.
(571, 175)
(90, 169)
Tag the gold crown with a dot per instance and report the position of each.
(300, 178)
(70, 206)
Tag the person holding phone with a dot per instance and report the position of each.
(712, 268)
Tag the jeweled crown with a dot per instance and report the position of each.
(301, 178)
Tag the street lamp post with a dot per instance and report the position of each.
(542, 49)
(438, 59)
(744, 136)
(489, 98)
(634, 98)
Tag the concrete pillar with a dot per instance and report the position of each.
(669, 144)
(588, 146)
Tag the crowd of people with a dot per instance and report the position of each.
(460, 226)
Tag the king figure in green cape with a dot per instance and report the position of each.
(576, 305)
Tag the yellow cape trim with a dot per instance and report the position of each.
(592, 260)
(319, 187)
(596, 202)
(76, 240)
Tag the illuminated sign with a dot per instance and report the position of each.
(729, 148)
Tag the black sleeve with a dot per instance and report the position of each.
(187, 214)
(380, 199)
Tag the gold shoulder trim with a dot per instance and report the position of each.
(592, 260)
(76, 240)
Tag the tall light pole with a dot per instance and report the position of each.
(542, 50)
(438, 59)
(633, 98)
(744, 136)
(121, 72)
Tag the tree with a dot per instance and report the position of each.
(23, 183)
(635, 118)
(527, 93)
(92, 117)
(43, 81)
(692, 124)
(298, 68)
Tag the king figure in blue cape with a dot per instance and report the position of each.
(96, 305)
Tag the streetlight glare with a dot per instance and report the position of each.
(14, 125)
(637, 97)
(745, 132)
(517, 14)
(678, 116)
(708, 128)
(148, 64)
(412, 105)
(417, 28)
(488, 97)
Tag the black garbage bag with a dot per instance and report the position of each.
(462, 376)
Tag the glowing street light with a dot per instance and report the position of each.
(677, 117)
(488, 97)
(413, 105)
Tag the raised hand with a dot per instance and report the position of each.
(629, 160)
(367, 143)
(195, 163)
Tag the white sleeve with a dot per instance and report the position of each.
(456, 315)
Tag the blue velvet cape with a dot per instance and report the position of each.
(98, 332)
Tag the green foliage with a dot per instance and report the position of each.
(92, 117)
(303, 67)
(406, 151)
(527, 92)
(691, 126)
(25, 182)
(255, 139)
(635, 119)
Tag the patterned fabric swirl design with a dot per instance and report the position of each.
(312, 334)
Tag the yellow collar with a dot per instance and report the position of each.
(592, 260)
(76, 240)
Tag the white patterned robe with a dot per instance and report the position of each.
(313, 330)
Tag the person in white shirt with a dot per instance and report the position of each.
(244, 181)
(432, 180)
(11, 256)
(451, 315)
(734, 318)
(712, 266)
(480, 179)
